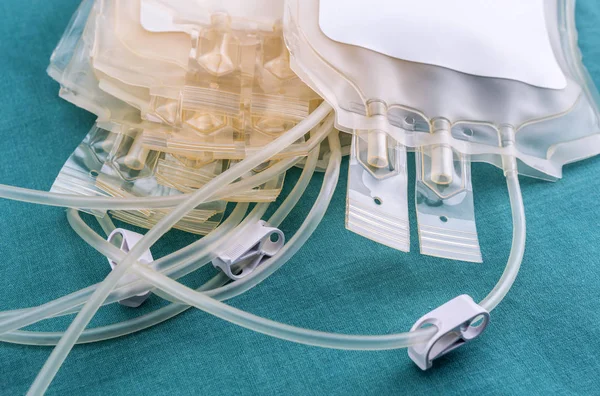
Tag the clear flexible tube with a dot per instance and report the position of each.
(58, 306)
(279, 330)
(294, 196)
(133, 325)
(106, 223)
(169, 263)
(499, 291)
(16, 319)
(518, 244)
(516, 252)
(200, 251)
(23, 317)
(317, 138)
(344, 341)
(60, 352)
(116, 330)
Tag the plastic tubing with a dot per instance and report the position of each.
(279, 330)
(115, 254)
(62, 349)
(294, 196)
(65, 305)
(310, 337)
(282, 212)
(106, 223)
(104, 203)
(516, 255)
(185, 258)
(15, 319)
(163, 314)
(23, 317)
(116, 330)
(344, 341)
(518, 243)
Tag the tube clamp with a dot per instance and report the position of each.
(249, 249)
(458, 321)
(128, 240)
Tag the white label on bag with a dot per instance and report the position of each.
(490, 38)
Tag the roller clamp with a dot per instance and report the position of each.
(256, 243)
(458, 321)
(128, 240)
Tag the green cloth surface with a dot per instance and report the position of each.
(543, 338)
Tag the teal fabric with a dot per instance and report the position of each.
(542, 339)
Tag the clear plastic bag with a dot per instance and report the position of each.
(483, 98)
(107, 78)
(115, 165)
(549, 127)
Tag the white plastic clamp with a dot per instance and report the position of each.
(128, 240)
(458, 321)
(255, 243)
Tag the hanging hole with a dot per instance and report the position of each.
(468, 132)
(409, 120)
(378, 201)
(478, 321)
(443, 219)
(94, 173)
(274, 237)
(426, 325)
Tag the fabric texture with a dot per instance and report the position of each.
(543, 339)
